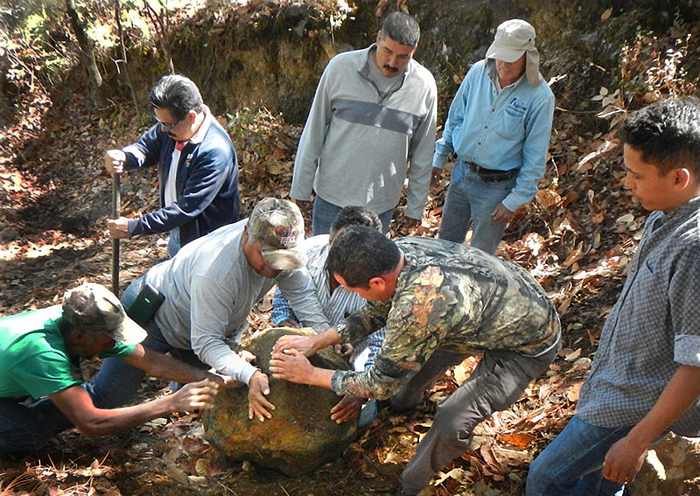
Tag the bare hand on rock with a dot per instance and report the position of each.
(195, 396)
(347, 409)
(291, 365)
(258, 406)
(303, 344)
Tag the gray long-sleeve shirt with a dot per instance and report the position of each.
(357, 141)
(209, 290)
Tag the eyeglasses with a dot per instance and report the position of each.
(165, 127)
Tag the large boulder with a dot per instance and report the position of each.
(300, 436)
(672, 467)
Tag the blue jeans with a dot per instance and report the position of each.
(324, 213)
(121, 379)
(572, 464)
(27, 428)
(174, 244)
(469, 203)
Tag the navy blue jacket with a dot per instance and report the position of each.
(206, 184)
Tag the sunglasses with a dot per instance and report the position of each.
(165, 127)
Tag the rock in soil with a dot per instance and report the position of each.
(300, 436)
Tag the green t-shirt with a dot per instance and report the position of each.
(33, 357)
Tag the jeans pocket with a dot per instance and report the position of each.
(458, 172)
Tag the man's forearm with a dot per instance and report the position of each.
(327, 338)
(166, 367)
(120, 419)
(321, 378)
(679, 394)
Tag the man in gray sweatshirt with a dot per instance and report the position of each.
(210, 286)
(373, 114)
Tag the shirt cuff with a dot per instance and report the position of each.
(686, 350)
(132, 224)
(439, 160)
(246, 373)
(513, 202)
(301, 195)
(337, 382)
(342, 330)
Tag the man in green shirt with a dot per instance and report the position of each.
(41, 391)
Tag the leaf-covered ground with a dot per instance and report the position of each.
(576, 238)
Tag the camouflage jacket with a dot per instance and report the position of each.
(452, 297)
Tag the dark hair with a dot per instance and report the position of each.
(355, 216)
(177, 94)
(359, 253)
(402, 28)
(667, 133)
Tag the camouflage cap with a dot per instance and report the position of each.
(95, 307)
(279, 227)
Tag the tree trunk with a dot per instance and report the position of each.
(161, 25)
(87, 51)
(124, 60)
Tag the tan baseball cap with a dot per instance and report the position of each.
(514, 38)
(279, 227)
(96, 307)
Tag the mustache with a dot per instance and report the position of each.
(390, 68)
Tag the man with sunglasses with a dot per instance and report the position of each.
(197, 167)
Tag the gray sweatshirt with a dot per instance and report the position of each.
(357, 141)
(209, 290)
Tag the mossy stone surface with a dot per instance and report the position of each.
(300, 436)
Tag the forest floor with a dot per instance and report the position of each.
(576, 237)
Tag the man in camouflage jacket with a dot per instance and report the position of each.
(440, 303)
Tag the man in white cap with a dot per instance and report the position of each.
(498, 126)
(41, 392)
(209, 288)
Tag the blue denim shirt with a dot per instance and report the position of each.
(502, 130)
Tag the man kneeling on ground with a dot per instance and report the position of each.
(440, 302)
(210, 287)
(41, 393)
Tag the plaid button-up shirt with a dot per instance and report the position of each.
(653, 328)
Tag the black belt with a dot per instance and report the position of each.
(491, 175)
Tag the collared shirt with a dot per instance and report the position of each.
(359, 140)
(209, 290)
(500, 130)
(170, 191)
(451, 297)
(653, 328)
(337, 304)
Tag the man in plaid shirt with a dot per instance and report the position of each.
(645, 378)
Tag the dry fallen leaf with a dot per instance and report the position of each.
(573, 392)
(517, 439)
